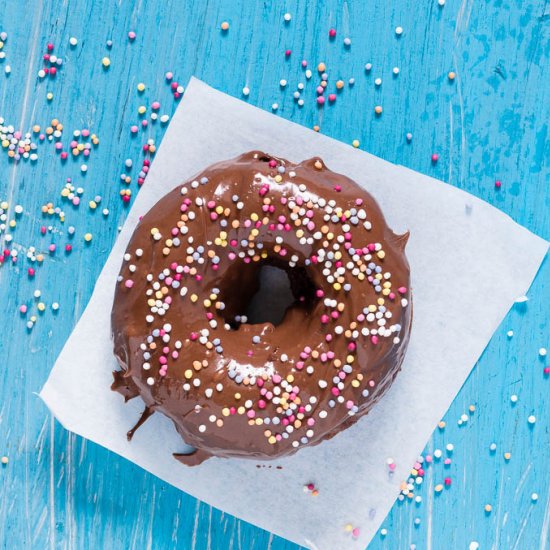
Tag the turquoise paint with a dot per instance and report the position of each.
(59, 491)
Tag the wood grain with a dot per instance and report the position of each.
(58, 491)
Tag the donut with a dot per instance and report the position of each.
(261, 388)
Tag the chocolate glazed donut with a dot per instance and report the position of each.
(181, 336)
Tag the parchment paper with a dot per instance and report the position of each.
(469, 261)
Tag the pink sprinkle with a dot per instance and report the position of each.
(287, 53)
(447, 481)
(356, 532)
(155, 105)
(23, 309)
(402, 290)
(304, 63)
(132, 35)
(169, 76)
(435, 158)
(276, 379)
(30, 272)
(498, 184)
(332, 98)
(332, 33)
(374, 339)
(321, 100)
(251, 413)
(261, 404)
(129, 283)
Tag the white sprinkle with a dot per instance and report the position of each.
(368, 67)
(282, 83)
(396, 71)
(534, 497)
(398, 31)
(474, 545)
(532, 419)
(274, 107)
(514, 398)
(378, 82)
(347, 42)
(441, 3)
(510, 333)
(246, 91)
(150, 380)
(202, 428)
(542, 352)
(521, 299)
(73, 41)
(287, 17)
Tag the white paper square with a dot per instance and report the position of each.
(469, 261)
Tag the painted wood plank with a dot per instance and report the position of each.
(59, 491)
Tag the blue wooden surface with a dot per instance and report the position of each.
(59, 491)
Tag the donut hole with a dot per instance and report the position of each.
(265, 293)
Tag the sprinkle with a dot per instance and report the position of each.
(106, 62)
(488, 508)
(225, 26)
(521, 299)
(451, 76)
(73, 41)
(383, 532)
(514, 398)
(287, 17)
(510, 333)
(435, 158)
(532, 419)
(347, 42)
(131, 36)
(507, 456)
(542, 352)
(332, 33)
(5, 460)
(368, 67)
(378, 110)
(438, 488)
(355, 143)
(398, 31)
(246, 91)
(88, 237)
(534, 497)
(498, 184)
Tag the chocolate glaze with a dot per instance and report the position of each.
(257, 390)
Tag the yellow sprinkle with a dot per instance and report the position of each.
(88, 237)
(438, 488)
(49, 96)
(41, 306)
(472, 408)
(488, 508)
(193, 298)
(188, 374)
(92, 205)
(355, 143)
(225, 26)
(442, 425)
(105, 62)
(141, 87)
(451, 75)
(321, 67)
(507, 456)
(142, 109)
(378, 109)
